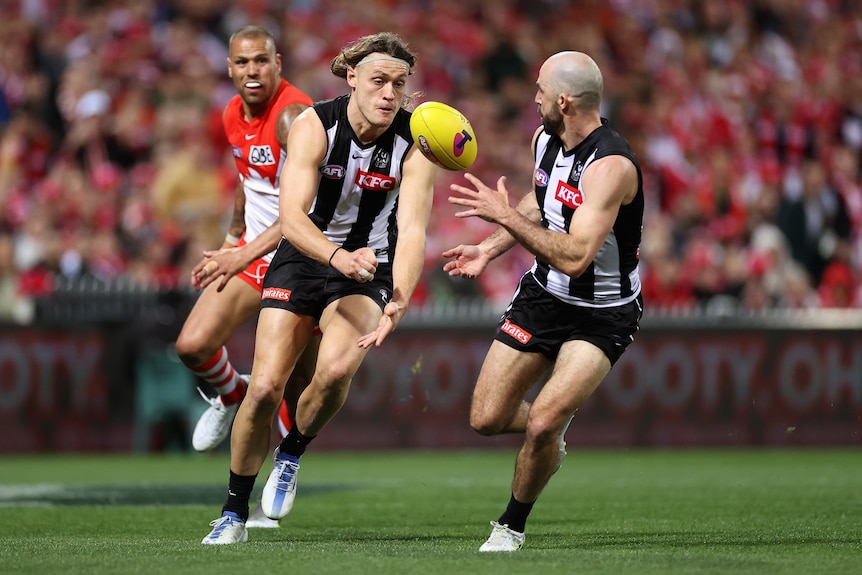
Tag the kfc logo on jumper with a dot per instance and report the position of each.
(332, 171)
(541, 178)
(374, 182)
(516, 332)
(276, 293)
(572, 197)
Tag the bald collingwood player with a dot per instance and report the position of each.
(579, 307)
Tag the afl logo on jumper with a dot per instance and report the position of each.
(568, 195)
(516, 332)
(374, 182)
(541, 178)
(261, 156)
(332, 171)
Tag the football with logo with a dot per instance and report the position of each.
(443, 135)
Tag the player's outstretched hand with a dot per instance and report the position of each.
(392, 314)
(217, 264)
(492, 205)
(465, 261)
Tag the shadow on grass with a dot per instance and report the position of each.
(678, 540)
(47, 495)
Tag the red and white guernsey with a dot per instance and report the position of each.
(259, 157)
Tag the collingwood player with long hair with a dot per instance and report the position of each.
(355, 200)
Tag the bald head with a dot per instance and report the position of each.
(576, 75)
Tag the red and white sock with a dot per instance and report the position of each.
(284, 421)
(219, 373)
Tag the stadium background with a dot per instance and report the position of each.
(747, 117)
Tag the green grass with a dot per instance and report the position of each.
(641, 512)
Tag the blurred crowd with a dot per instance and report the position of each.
(746, 116)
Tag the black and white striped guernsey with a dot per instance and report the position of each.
(612, 278)
(358, 192)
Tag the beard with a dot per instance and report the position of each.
(552, 123)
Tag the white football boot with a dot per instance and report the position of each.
(215, 423)
(227, 529)
(502, 539)
(259, 520)
(562, 453)
(280, 489)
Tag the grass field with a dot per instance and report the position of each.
(640, 512)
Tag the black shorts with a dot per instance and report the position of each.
(304, 286)
(538, 322)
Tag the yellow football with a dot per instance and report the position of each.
(443, 135)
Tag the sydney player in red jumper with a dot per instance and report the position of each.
(257, 121)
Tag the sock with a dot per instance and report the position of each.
(239, 494)
(284, 421)
(516, 514)
(219, 372)
(295, 442)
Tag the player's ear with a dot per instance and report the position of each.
(278, 62)
(563, 101)
(229, 70)
(351, 76)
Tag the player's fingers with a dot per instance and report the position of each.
(365, 274)
(210, 268)
(462, 190)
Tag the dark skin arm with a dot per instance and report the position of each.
(228, 261)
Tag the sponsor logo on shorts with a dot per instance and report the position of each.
(276, 293)
(374, 182)
(516, 332)
(568, 195)
(257, 271)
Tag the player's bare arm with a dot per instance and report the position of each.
(237, 221)
(608, 183)
(470, 261)
(227, 262)
(414, 209)
(285, 120)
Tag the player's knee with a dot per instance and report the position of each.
(541, 430)
(485, 423)
(264, 394)
(334, 375)
(188, 350)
